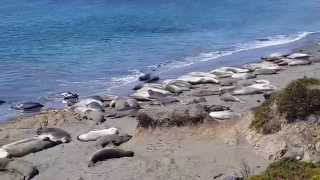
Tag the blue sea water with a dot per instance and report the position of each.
(94, 46)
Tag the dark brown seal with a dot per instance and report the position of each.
(105, 154)
(23, 168)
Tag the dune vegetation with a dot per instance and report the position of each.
(289, 168)
(296, 102)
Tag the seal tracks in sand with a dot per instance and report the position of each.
(163, 144)
(163, 168)
(158, 145)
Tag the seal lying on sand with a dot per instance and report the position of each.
(88, 104)
(96, 134)
(229, 98)
(114, 139)
(223, 115)
(119, 114)
(54, 134)
(24, 147)
(163, 99)
(177, 86)
(21, 167)
(105, 154)
(121, 104)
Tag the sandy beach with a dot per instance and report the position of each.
(213, 149)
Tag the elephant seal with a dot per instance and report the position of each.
(25, 146)
(213, 108)
(69, 95)
(123, 113)
(28, 106)
(96, 97)
(114, 139)
(177, 86)
(149, 78)
(244, 76)
(96, 134)
(145, 77)
(162, 99)
(24, 168)
(298, 56)
(105, 154)
(223, 115)
(153, 78)
(121, 104)
(87, 101)
(88, 104)
(96, 116)
(137, 87)
(54, 134)
(229, 98)
(70, 98)
(95, 106)
(274, 56)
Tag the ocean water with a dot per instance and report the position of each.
(97, 46)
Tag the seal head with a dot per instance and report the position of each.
(54, 135)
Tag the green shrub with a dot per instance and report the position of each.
(297, 101)
(290, 169)
(263, 121)
(316, 177)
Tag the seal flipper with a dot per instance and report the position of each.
(65, 140)
(91, 164)
(4, 162)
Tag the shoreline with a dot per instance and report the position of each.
(236, 58)
(189, 152)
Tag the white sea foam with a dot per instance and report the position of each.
(208, 56)
(133, 75)
(126, 79)
(269, 41)
(274, 40)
